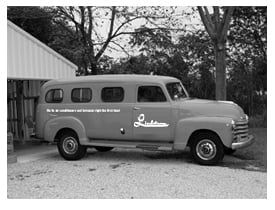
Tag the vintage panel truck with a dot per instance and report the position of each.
(137, 111)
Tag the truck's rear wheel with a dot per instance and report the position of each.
(207, 149)
(103, 149)
(69, 147)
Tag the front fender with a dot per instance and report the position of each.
(185, 127)
(54, 125)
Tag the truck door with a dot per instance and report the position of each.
(152, 114)
(113, 116)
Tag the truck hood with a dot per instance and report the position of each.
(212, 108)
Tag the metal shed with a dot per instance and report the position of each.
(30, 63)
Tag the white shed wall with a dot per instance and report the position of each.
(28, 58)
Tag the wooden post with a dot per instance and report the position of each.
(12, 158)
(20, 116)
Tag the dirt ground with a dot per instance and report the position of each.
(125, 173)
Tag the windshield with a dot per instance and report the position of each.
(176, 90)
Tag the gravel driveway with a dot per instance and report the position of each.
(125, 173)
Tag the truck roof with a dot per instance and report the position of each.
(114, 78)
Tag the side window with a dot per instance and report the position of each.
(150, 94)
(81, 95)
(112, 94)
(54, 96)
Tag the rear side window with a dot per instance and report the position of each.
(54, 96)
(150, 94)
(112, 94)
(81, 95)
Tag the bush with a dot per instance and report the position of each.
(258, 121)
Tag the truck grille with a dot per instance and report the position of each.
(241, 130)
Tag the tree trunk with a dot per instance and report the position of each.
(94, 68)
(220, 71)
(217, 29)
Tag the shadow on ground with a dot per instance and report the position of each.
(155, 157)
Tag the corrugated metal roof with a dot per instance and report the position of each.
(28, 58)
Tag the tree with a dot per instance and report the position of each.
(247, 41)
(87, 23)
(217, 27)
(247, 45)
(35, 20)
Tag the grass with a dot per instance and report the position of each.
(257, 152)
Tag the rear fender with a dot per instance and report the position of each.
(54, 125)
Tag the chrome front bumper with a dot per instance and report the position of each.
(243, 142)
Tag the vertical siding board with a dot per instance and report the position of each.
(63, 66)
(21, 55)
(25, 57)
(65, 70)
(31, 57)
(10, 49)
(40, 60)
(51, 62)
(55, 67)
(46, 62)
(59, 70)
(28, 58)
(37, 71)
(54, 64)
(35, 58)
(16, 55)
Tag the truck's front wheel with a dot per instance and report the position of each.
(207, 149)
(69, 147)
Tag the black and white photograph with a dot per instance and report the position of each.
(136, 102)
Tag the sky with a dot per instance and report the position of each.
(180, 20)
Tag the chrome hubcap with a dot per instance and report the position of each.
(206, 149)
(70, 145)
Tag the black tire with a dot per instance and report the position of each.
(207, 148)
(70, 148)
(229, 151)
(103, 149)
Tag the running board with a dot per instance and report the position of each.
(133, 144)
(154, 147)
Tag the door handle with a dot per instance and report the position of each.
(136, 108)
(53, 115)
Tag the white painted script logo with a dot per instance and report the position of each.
(153, 124)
